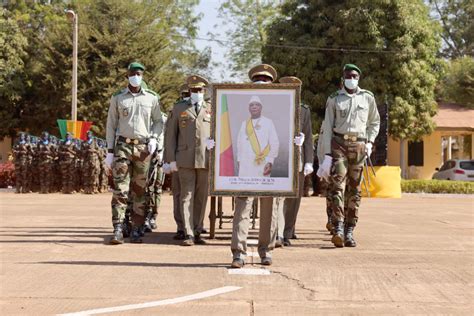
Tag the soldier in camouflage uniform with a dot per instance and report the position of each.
(56, 168)
(78, 165)
(45, 162)
(67, 156)
(33, 174)
(91, 166)
(20, 154)
(103, 174)
(350, 126)
(134, 124)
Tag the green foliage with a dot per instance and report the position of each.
(112, 33)
(457, 86)
(12, 52)
(394, 42)
(251, 19)
(456, 18)
(437, 186)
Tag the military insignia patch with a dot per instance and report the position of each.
(182, 123)
(184, 114)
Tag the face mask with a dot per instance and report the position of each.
(351, 84)
(135, 81)
(197, 97)
(261, 82)
(186, 98)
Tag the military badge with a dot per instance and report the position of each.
(184, 114)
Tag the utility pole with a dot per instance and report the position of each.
(73, 17)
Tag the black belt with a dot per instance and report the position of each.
(350, 138)
(132, 141)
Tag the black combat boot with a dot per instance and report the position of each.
(338, 237)
(118, 235)
(348, 236)
(135, 237)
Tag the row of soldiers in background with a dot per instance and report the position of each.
(47, 164)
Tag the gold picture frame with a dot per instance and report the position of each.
(235, 169)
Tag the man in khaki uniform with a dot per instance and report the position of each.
(287, 215)
(134, 124)
(187, 150)
(351, 124)
(260, 74)
(175, 185)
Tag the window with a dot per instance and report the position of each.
(415, 153)
(467, 165)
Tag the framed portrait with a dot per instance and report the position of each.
(254, 126)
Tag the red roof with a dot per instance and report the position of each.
(452, 116)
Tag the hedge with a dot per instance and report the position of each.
(437, 186)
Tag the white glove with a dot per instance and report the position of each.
(109, 159)
(210, 143)
(166, 168)
(319, 173)
(173, 166)
(152, 145)
(368, 148)
(299, 140)
(326, 167)
(308, 168)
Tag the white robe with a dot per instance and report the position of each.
(266, 134)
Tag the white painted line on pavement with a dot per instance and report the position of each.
(249, 271)
(252, 242)
(192, 297)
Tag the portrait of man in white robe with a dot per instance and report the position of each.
(257, 143)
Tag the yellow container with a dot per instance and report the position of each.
(386, 183)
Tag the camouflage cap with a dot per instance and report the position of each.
(196, 81)
(136, 66)
(263, 70)
(352, 67)
(290, 79)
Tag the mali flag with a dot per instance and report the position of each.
(78, 129)
(226, 158)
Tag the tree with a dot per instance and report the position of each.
(112, 33)
(456, 18)
(457, 86)
(249, 20)
(394, 42)
(12, 50)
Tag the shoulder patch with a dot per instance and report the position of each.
(368, 92)
(334, 94)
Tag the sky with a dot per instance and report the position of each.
(209, 9)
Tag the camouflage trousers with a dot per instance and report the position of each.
(153, 194)
(45, 175)
(129, 171)
(21, 175)
(67, 175)
(346, 175)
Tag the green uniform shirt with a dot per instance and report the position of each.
(134, 116)
(355, 115)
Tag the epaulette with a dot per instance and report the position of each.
(368, 92)
(152, 92)
(334, 94)
(305, 106)
(118, 92)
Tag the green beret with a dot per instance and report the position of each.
(352, 67)
(136, 66)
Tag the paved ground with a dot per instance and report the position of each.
(415, 255)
